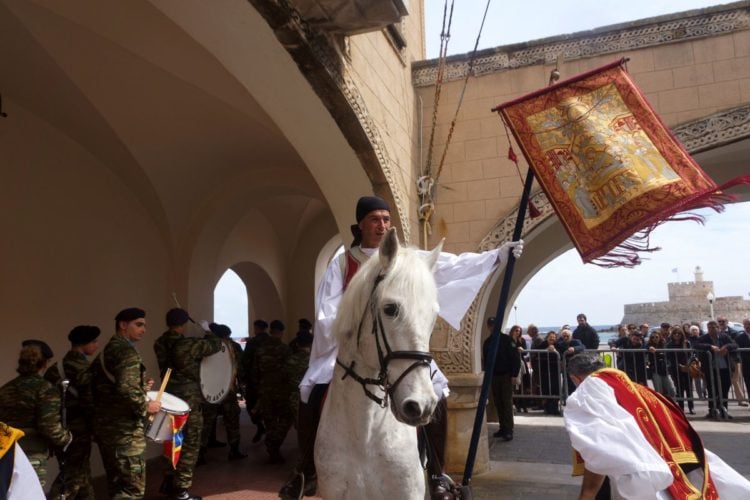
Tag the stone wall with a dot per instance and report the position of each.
(685, 310)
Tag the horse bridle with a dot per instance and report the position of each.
(385, 356)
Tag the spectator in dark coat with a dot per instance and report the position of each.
(585, 333)
(567, 346)
(634, 359)
(716, 349)
(504, 377)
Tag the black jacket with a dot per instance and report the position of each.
(507, 361)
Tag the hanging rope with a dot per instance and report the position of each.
(427, 206)
(469, 72)
(425, 182)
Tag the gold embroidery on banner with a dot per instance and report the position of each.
(600, 155)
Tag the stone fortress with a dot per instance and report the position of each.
(687, 302)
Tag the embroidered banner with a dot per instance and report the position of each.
(611, 169)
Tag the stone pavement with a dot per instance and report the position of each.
(535, 465)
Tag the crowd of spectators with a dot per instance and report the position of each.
(681, 362)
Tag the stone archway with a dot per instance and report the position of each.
(720, 142)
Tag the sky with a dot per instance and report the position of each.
(566, 286)
(521, 21)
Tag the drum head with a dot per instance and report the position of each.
(170, 403)
(217, 374)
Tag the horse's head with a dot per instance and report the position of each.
(389, 333)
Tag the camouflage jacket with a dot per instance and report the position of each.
(32, 404)
(183, 355)
(247, 362)
(269, 366)
(296, 366)
(117, 376)
(78, 400)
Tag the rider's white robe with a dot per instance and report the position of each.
(458, 278)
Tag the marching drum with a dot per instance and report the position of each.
(217, 374)
(160, 429)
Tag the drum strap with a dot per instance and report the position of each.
(104, 368)
(61, 372)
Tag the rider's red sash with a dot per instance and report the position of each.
(350, 268)
(665, 427)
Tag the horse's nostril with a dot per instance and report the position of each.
(412, 409)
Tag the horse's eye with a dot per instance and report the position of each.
(391, 310)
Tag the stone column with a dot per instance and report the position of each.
(462, 408)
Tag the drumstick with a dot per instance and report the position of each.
(161, 389)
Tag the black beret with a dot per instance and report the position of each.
(177, 317)
(367, 204)
(43, 346)
(221, 331)
(130, 314)
(260, 323)
(304, 339)
(277, 325)
(83, 334)
(304, 323)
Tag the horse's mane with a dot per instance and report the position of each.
(408, 276)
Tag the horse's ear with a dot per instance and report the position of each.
(388, 249)
(432, 258)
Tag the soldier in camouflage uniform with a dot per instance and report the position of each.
(119, 388)
(274, 401)
(31, 404)
(183, 355)
(296, 365)
(260, 328)
(229, 408)
(79, 412)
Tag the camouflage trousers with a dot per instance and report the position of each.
(278, 416)
(77, 468)
(229, 409)
(122, 444)
(191, 443)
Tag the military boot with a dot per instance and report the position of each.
(167, 485)
(235, 453)
(183, 494)
(294, 488)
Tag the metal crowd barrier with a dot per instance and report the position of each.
(718, 380)
(541, 386)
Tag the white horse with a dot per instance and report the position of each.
(366, 446)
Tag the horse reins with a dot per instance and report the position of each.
(385, 356)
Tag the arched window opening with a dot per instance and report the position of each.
(230, 304)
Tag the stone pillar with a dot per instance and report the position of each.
(462, 408)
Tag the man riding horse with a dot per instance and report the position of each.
(458, 278)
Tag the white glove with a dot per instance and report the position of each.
(511, 246)
(204, 325)
(517, 247)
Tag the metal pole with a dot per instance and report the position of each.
(489, 362)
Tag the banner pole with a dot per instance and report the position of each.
(489, 363)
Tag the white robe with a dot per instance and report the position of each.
(458, 278)
(611, 443)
